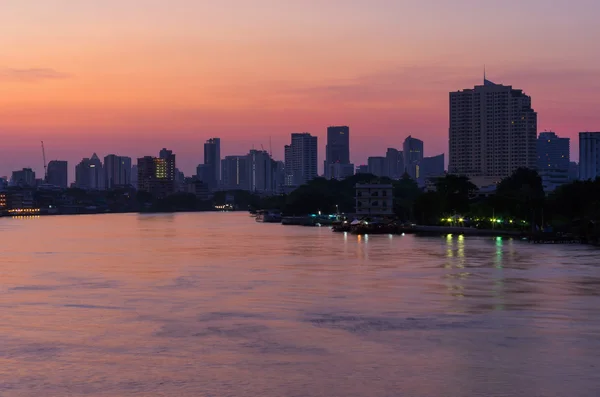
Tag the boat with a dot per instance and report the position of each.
(268, 216)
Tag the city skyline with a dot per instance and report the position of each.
(111, 77)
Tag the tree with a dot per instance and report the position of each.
(455, 192)
(521, 195)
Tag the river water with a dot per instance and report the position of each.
(214, 304)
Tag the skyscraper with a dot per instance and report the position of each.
(301, 159)
(376, 166)
(117, 171)
(24, 178)
(394, 163)
(212, 162)
(589, 155)
(260, 171)
(413, 154)
(430, 167)
(58, 174)
(553, 160)
(156, 175)
(89, 174)
(337, 149)
(169, 163)
(493, 131)
(235, 173)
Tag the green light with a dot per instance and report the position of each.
(499, 220)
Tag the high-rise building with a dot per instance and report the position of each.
(278, 176)
(58, 174)
(89, 174)
(340, 171)
(169, 162)
(301, 159)
(430, 167)
(493, 131)
(376, 166)
(394, 163)
(234, 173)
(589, 155)
(413, 154)
(553, 160)
(117, 171)
(212, 162)
(24, 178)
(260, 171)
(155, 176)
(337, 149)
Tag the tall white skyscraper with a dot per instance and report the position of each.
(589, 155)
(493, 131)
(301, 159)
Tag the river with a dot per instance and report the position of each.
(214, 304)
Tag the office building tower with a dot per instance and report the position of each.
(234, 173)
(89, 174)
(58, 174)
(212, 162)
(337, 149)
(169, 163)
(340, 171)
(301, 159)
(260, 171)
(553, 160)
(156, 175)
(430, 167)
(394, 163)
(589, 155)
(493, 131)
(23, 178)
(413, 154)
(376, 166)
(117, 171)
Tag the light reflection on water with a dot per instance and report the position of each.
(218, 305)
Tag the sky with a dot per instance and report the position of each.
(132, 76)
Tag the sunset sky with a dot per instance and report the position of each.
(132, 76)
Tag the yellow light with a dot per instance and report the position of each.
(461, 220)
(449, 219)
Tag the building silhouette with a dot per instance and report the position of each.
(212, 162)
(337, 149)
(117, 171)
(58, 174)
(377, 165)
(339, 171)
(589, 155)
(260, 167)
(23, 178)
(430, 167)
(301, 159)
(234, 173)
(394, 163)
(413, 154)
(553, 160)
(89, 174)
(156, 175)
(493, 131)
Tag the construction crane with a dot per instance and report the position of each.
(45, 166)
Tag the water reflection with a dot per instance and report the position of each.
(216, 304)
